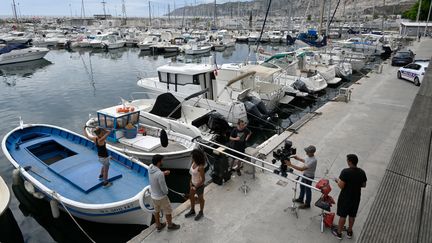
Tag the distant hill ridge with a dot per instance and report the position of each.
(298, 8)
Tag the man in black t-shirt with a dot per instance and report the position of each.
(238, 138)
(350, 181)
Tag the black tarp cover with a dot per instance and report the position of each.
(12, 47)
(165, 104)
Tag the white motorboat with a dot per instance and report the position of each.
(102, 41)
(292, 71)
(62, 167)
(126, 137)
(43, 41)
(165, 46)
(113, 42)
(147, 42)
(185, 79)
(367, 44)
(14, 53)
(259, 82)
(275, 36)
(253, 37)
(194, 48)
(312, 64)
(16, 37)
(5, 196)
(167, 112)
(218, 46)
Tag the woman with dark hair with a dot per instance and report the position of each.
(100, 141)
(197, 183)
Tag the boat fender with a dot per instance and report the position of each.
(54, 209)
(143, 200)
(29, 187)
(15, 177)
(163, 138)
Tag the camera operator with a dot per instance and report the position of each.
(239, 136)
(308, 169)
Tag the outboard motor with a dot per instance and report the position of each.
(300, 86)
(259, 104)
(290, 40)
(253, 111)
(217, 123)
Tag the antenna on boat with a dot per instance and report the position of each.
(21, 123)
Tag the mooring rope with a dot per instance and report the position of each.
(55, 196)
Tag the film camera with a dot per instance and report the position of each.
(282, 155)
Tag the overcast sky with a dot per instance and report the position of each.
(113, 7)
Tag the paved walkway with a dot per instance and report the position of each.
(369, 126)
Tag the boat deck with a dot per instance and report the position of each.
(76, 177)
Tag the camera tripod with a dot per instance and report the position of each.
(293, 208)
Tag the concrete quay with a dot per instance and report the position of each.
(369, 125)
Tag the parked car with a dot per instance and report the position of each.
(402, 58)
(413, 72)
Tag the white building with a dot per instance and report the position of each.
(413, 28)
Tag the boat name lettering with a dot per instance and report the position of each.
(118, 209)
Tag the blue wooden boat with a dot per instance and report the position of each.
(63, 167)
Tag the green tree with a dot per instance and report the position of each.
(412, 12)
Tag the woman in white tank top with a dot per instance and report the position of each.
(197, 183)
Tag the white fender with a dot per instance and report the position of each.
(16, 177)
(29, 187)
(145, 194)
(54, 208)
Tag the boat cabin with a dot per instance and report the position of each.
(124, 121)
(181, 77)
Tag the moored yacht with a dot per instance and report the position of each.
(14, 53)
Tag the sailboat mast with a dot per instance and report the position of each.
(124, 9)
(104, 10)
(321, 17)
(214, 15)
(328, 18)
(14, 11)
(150, 13)
(82, 9)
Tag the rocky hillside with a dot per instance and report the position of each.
(295, 8)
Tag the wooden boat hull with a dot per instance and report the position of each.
(68, 175)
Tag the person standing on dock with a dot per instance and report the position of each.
(197, 183)
(309, 167)
(159, 194)
(238, 138)
(350, 181)
(100, 141)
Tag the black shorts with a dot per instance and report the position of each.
(234, 153)
(199, 190)
(347, 208)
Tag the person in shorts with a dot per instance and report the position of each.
(159, 194)
(100, 141)
(197, 183)
(350, 181)
(238, 138)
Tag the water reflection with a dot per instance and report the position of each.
(110, 54)
(64, 229)
(23, 69)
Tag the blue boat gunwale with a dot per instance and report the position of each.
(121, 159)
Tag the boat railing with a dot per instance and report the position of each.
(134, 94)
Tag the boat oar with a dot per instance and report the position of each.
(28, 167)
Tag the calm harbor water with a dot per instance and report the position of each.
(63, 89)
